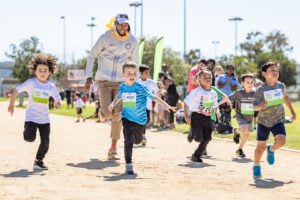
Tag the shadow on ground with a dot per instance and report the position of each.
(196, 165)
(242, 160)
(23, 173)
(118, 177)
(95, 164)
(269, 183)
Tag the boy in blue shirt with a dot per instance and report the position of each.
(134, 117)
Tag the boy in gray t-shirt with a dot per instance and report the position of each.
(243, 100)
(268, 100)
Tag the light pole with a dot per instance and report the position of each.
(142, 5)
(236, 19)
(92, 25)
(184, 45)
(215, 43)
(64, 38)
(135, 4)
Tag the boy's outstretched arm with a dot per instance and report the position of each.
(186, 114)
(288, 103)
(12, 102)
(114, 103)
(163, 103)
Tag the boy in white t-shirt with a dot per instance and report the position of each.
(79, 106)
(152, 87)
(39, 89)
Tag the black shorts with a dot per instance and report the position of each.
(201, 126)
(132, 131)
(79, 111)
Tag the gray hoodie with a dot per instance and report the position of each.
(111, 54)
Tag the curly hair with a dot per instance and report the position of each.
(44, 59)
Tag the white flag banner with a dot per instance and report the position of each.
(76, 74)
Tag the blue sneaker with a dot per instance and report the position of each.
(256, 172)
(270, 155)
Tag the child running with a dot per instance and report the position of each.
(79, 106)
(199, 102)
(269, 99)
(134, 117)
(243, 100)
(37, 113)
(152, 87)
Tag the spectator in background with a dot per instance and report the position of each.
(219, 71)
(172, 98)
(68, 97)
(192, 84)
(227, 83)
(211, 63)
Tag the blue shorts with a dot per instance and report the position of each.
(263, 132)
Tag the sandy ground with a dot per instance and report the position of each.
(78, 168)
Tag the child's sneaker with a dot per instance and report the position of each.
(205, 152)
(83, 119)
(144, 141)
(257, 172)
(236, 136)
(39, 164)
(112, 154)
(270, 155)
(196, 158)
(240, 153)
(129, 169)
(77, 121)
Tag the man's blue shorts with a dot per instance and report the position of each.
(263, 132)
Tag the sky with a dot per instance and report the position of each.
(206, 21)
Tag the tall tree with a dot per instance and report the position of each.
(193, 57)
(253, 45)
(277, 41)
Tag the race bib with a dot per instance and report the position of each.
(40, 96)
(274, 97)
(208, 101)
(247, 109)
(129, 99)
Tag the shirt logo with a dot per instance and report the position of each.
(128, 46)
(112, 45)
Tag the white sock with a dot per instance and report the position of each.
(271, 148)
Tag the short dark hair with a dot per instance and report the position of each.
(143, 68)
(228, 66)
(203, 61)
(162, 74)
(42, 59)
(78, 94)
(129, 64)
(265, 66)
(247, 75)
(211, 60)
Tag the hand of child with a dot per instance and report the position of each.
(58, 104)
(171, 108)
(11, 109)
(293, 115)
(187, 119)
(110, 107)
(264, 105)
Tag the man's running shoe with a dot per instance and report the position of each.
(270, 155)
(129, 169)
(196, 158)
(112, 154)
(144, 141)
(240, 153)
(236, 136)
(257, 172)
(39, 164)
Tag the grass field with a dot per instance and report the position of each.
(293, 133)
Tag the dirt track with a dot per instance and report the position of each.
(78, 168)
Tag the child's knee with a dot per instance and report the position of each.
(261, 148)
(280, 140)
(29, 137)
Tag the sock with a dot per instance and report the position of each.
(271, 148)
(113, 146)
(257, 164)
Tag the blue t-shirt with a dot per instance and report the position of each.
(226, 89)
(134, 102)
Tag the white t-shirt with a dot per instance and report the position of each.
(79, 103)
(38, 94)
(152, 87)
(201, 101)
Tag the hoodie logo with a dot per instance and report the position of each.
(128, 46)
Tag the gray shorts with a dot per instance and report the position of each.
(243, 122)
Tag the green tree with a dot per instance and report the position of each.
(193, 57)
(288, 67)
(22, 56)
(253, 45)
(277, 42)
